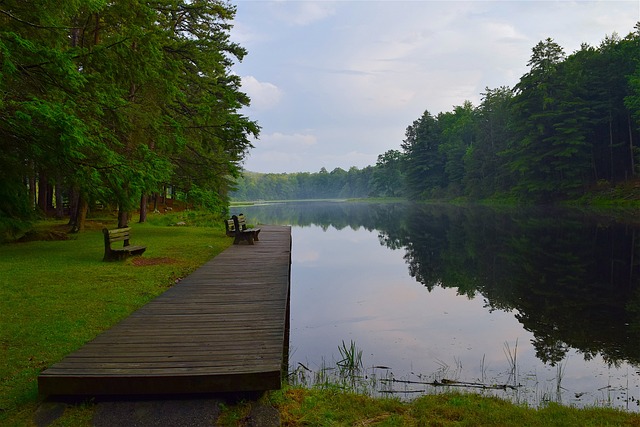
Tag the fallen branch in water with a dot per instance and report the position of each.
(451, 383)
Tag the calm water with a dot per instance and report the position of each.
(546, 302)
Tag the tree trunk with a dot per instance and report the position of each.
(80, 214)
(49, 196)
(123, 217)
(633, 165)
(74, 199)
(32, 190)
(42, 192)
(59, 200)
(632, 256)
(164, 196)
(143, 208)
(611, 146)
(96, 33)
(83, 208)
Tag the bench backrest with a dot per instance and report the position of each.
(230, 226)
(116, 235)
(242, 222)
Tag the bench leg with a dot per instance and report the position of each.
(243, 236)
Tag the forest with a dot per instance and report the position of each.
(571, 124)
(337, 184)
(111, 103)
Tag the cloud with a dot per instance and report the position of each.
(304, 12)
(503, 32)
(270, 161)
(263, 95)
(287, 141)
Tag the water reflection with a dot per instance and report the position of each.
(570, 280)
(573, 281)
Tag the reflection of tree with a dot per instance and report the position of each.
(570, 281)
(550, 350)
(573, 281)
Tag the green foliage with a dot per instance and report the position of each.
(116, 99)
(15, 210)
(388, 178)
(207, 200)
(425, 164)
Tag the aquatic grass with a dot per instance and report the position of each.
(483, 369)
(512, 359)
(349, 375)
(351, 361)
(560, 370)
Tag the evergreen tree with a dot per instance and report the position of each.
(424, 166)
(457, 138)
(485, 173)
(536, 103)
(388, 175)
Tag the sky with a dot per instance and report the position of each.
(334, 84)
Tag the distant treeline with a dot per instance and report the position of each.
(571, 123)
(304, 185)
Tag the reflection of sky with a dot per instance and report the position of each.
(346, 286)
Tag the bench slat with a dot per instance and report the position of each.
(119, 234)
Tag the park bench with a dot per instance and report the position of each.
(237, 228)
(117, 235)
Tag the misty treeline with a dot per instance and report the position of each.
(305, 185)
(570, 124)
(111, 102)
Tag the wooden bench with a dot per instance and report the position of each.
(236, 227)
(117, 235)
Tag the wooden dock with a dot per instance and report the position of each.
(224, 328)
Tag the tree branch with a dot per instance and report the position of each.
(44, 27)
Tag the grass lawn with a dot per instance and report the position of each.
(57, 295)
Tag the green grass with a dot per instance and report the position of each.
(57, 295)
(329, 407)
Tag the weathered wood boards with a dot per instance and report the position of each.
(215, 331)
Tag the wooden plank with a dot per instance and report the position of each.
(217, 330)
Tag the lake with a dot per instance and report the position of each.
(532, 305)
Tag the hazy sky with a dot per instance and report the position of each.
(336, 83)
